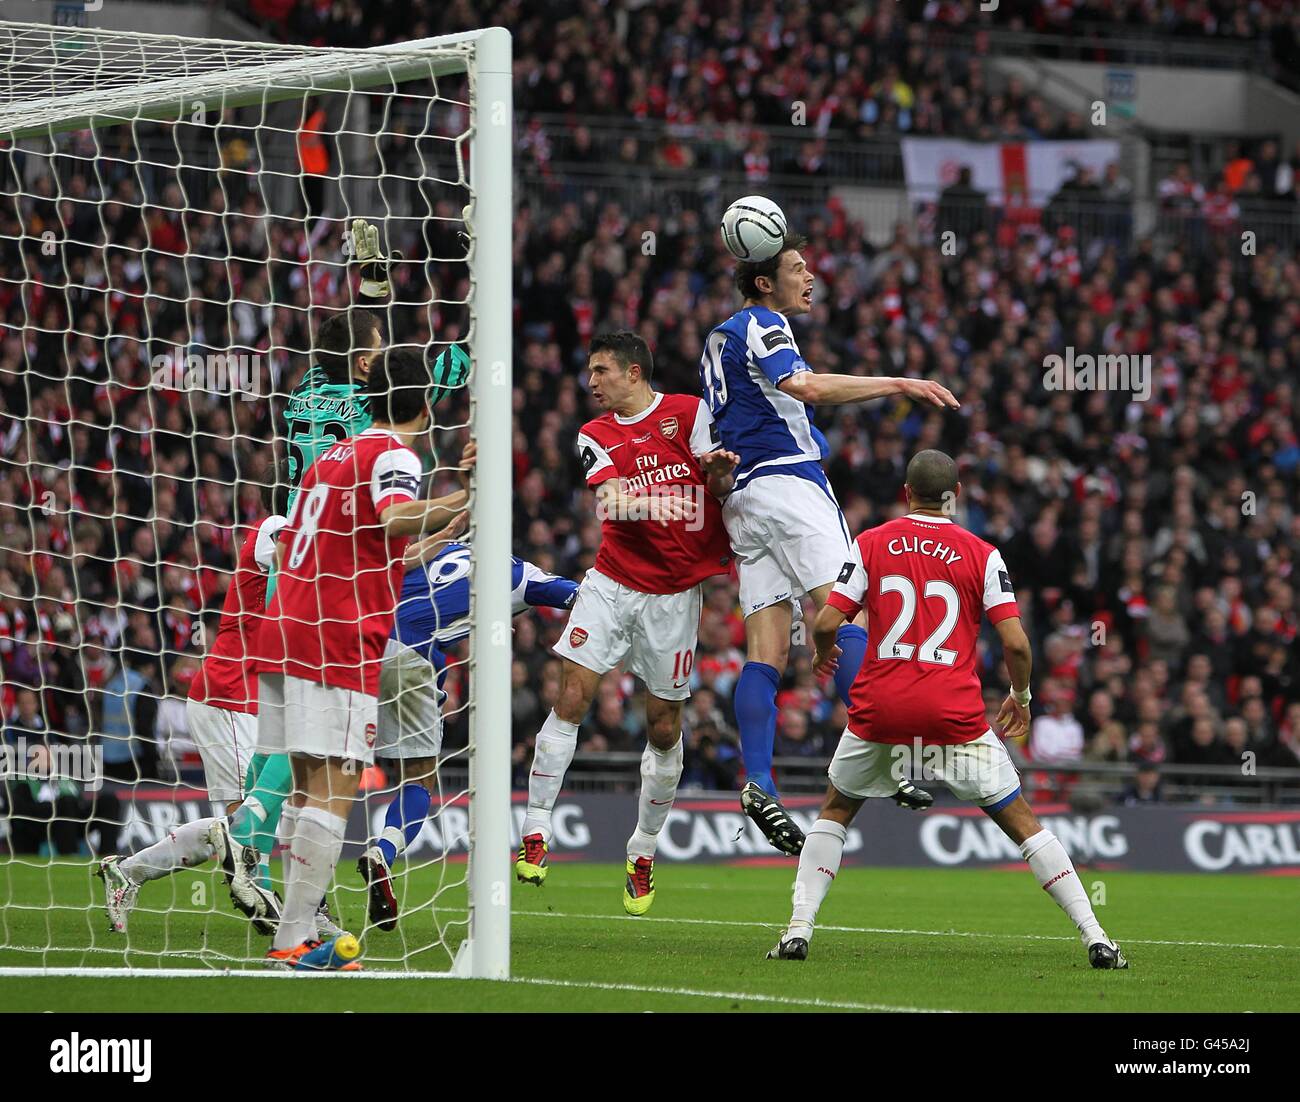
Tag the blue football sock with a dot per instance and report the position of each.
(756, 717)
(405, 819)
(852, 641)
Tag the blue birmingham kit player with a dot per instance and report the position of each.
(433, 614)
(785, 526)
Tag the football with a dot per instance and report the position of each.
(753, 228)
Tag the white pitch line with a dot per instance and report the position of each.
(782, 1000)
(532, 981)
(773, 927)
(889, 930)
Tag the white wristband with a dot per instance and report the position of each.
(1022, 699)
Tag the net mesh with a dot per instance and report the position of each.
(165, 274)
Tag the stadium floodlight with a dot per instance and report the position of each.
(161, 172)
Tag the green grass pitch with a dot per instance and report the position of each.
(890, 939)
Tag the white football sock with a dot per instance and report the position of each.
(819, 863)
(660, 772)
(284, 830)
(317, 843)
(395, 837)
(1051, 866)
(182, 848)
(556, 742)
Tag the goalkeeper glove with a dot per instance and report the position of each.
(450, 371)
(364, 238)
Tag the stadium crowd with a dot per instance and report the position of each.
(1153, 543)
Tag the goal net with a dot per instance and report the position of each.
(178, 221)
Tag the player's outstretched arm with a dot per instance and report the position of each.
(829, 621)
(817, 389)
(1013, 718)
(418, 518)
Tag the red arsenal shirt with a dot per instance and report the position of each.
(334, 601)
(226, 679)
(925, 584)
(655, 453)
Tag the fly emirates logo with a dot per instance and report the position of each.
(923, 545)
(649, 473)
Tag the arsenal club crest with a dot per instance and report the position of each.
(370, 734)
(577, 637)
(668, 426)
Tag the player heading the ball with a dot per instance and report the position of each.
(657, 474)
(925, 585)
(786, 529)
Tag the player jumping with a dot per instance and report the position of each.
(650, 459)
(785, 525)
(924, 583)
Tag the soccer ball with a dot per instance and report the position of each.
(753, 228)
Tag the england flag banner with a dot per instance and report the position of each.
(1001, 169)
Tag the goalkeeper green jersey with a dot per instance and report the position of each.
(319, 414)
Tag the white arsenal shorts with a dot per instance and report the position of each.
(652, 634)
(226, 742)
(302, 717)
(980, 771)
(788, 536)
(410, 716)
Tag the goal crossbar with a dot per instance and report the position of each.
(35, 100)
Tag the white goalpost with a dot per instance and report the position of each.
(169, 245)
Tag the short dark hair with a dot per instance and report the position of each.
(747, 271)
(341, 337)
(627, 348)
(399, 386)
(932, 475)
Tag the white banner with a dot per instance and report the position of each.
(999, 168)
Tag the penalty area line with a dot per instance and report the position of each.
(84, 972)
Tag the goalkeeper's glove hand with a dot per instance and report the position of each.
(364, 238)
